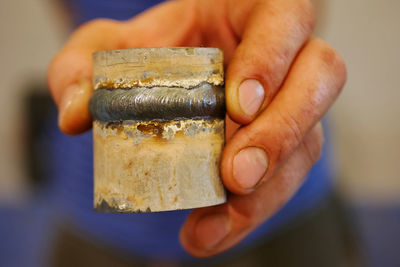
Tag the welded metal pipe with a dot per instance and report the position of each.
(158, 129)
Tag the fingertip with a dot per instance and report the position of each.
(187, 238)
(69, 66)
(226, 169)
(72, 126)
(251, 96)
(244, 101)
(204, 230)
(233, 108)
(249, 167)
(74, 116)
(243, 169)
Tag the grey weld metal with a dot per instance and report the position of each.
(158, 103)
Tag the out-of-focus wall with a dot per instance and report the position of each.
(31, 34)
(365, 119)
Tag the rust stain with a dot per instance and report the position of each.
(115, 126)
(129, 165)
(148, 80)
(159, 128)
(111, 84)
(155, 129)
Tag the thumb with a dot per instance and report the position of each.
(70, 73)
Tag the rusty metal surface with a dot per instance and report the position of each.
(157, 166)
(167, 130)
(184, 67)
(158, 129)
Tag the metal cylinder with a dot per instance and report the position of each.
(158, 129)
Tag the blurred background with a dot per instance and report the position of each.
(364, 121)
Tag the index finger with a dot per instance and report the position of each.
(272, 33)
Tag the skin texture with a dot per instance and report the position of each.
(267, 42)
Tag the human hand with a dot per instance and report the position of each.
(279, 83)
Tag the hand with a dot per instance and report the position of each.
(279, 83)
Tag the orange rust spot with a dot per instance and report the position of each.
(129, 165)
(151, 128)
(106, 84)
(146, 80)
(115, 126)
(110, 84)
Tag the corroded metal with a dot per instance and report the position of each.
(158, 165)
(158, 129)
(163, 66)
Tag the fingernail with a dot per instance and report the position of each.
(251, 96)
(74, 97)
(67, 99)
(211, 229)
(249, 166)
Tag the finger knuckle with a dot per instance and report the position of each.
(332, 60)
(250, 216)
(313, 144)
(290, 137)
(327, 54)
(307, 15)
(278, 59)
(268, 68)
(283, 189)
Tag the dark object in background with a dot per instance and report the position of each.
(38, 106)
